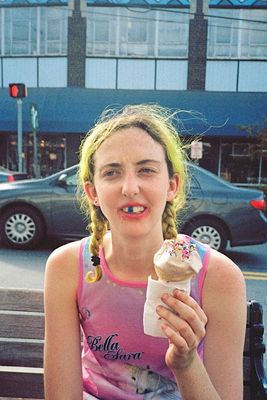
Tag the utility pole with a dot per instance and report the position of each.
(19, 91)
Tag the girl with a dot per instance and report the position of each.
(133, 175)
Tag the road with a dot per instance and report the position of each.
(26, 269)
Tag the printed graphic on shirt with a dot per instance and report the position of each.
(110, 348)
(142, 380)
(152, 385)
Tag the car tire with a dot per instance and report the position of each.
(208, 231)
(21, 227)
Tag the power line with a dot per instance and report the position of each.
(242, 27)
(145, 10)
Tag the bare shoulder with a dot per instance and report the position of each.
(62, 266)
(224, 283)
(224, 303)
(223, 274)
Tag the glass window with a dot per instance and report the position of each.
(101, 31)
(263, 168)
(53, 31)
(237, 33)
(173, 34)
(34, 30)
(137, 33)
(20, 31)
(240, 163)
(1, 30)
(254, 37)
(124, 32)
(223, 33)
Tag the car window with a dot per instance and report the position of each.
(71, 180)
(194, 184)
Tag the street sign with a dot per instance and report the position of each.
(34, 116)
(196, 150)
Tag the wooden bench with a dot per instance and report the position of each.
(21, 347)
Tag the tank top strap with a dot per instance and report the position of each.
(85, 264)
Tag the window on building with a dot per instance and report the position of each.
(1, 33)
(53, 31)
(20, 31)
(124, 32)
(173, 34)
(237, 33)
(33, 31)
(101, 29)
(137, 33)
(241, 163)
(254, 36)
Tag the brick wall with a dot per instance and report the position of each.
(76, 46)
(198, 29)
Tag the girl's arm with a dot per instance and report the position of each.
(62, 353)
(224, 319)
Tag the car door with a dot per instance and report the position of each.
(67, 219)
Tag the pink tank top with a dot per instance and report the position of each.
(119, 361)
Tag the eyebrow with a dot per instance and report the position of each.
(118, 165)
(147, 161)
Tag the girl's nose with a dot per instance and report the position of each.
(130, 186)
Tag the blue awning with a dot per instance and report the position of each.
(74, 110)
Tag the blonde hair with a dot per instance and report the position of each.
(159, 123)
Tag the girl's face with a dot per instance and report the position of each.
(131, 183)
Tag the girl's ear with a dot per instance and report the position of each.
(90, 192)
(173, 187)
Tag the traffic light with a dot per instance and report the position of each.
(17, 90)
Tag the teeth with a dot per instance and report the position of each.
(135, 209)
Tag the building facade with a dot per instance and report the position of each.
(78, 57)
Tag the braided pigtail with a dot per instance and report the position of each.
(98, 228)
(169, 221)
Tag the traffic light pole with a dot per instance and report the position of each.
(19, 104)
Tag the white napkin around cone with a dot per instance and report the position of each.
(155, 289)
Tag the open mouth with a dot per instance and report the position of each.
(134, 209)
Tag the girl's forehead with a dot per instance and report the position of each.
(129, 141)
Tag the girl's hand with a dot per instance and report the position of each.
(184, 325)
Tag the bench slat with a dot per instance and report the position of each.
(21, 299)
(16, 384)
(21, 326)
(22, 354)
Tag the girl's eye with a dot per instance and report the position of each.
(110, 173)
(147, 170)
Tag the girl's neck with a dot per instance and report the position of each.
(131, 259)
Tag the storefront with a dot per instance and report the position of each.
(236, 160)
(222, 121)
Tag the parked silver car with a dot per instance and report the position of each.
(216, 213)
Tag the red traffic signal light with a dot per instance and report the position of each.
(17, 90)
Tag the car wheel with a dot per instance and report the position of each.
(21, 228)
(209, 232)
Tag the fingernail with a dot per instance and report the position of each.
(164, 297)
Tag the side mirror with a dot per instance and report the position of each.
(62, 180)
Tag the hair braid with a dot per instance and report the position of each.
(169, 221)
(98, 227)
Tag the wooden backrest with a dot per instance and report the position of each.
(21, 343)
(255, 383)
(13, 299)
